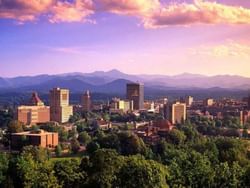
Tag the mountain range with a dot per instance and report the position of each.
(114, 81)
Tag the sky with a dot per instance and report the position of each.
(166, 37)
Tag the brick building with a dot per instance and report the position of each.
(34, 112)
(35, 138)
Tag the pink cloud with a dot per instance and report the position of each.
(55, 10)
(151, 12)
(71, 12)
(127, 7)
(23, 10)
(199, 12)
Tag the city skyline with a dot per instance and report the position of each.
(137, 37)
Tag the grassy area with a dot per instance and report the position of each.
(78, 155)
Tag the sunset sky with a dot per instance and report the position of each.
(135, 36)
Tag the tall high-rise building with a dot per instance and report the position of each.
(60, 110)
(176, 112)
(189, 100)
(208, 102)
(34, 112)
(86, 101)
(135, 93)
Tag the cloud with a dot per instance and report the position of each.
(54, 10)
(229, 49)
(127, 7)
(71, 12)
(199, 12)
(23, 10)
(153, 13)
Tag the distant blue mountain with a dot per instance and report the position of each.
(115, 81)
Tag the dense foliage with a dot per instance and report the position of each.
(193, 154)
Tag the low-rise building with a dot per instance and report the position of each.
(36, 138)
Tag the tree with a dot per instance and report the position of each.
(131, 144)
(106, 117)
(4, 161)
(6, 117)
(81, 126)
(231, 150)
(15, 126)
(229, 176)
(176, 137)
(190, 170)
(246, 176)
(245, 133)
(138, 172)
(38, 153)
(34, 173)
(84, 138)
(72, 133)
(75, 145)
(105, 164)
(191, 133)
(92, 147)
(110, 141)
(218, 123)
(75, 117)
(58, 150)
(69, 173)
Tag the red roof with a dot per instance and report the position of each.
(35, 100)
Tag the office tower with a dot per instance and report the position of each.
(86, 101)
(117, 105)
(34, 112)
(135, 93)
(176, 112)
(208, 102)
(60, 111)
(189, 100)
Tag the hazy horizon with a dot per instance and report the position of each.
(135, 74)
(166, 37)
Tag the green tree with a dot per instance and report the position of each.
(38, 153)
(138, 172)
(106, 117)
(68, 173)
(110, 141)
(229, 176)
(92, 147)
(58, 150)
(15, 126)
(4, 161)
(176, 137)
(105, 164)
(81, 126)
(75, 117)
(35, 174)
(84, 138)
(6, 117)
(131, 144)
(75, 145)
(231, 150)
